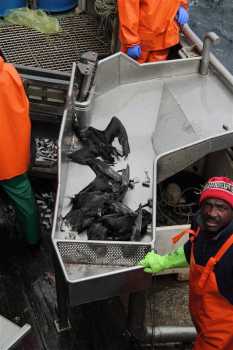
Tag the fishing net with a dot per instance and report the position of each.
(106, 10)
(35, 19)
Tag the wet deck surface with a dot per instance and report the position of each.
(27, 295)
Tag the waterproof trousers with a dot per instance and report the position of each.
(150, 56)
(20, 192)
(153, 56)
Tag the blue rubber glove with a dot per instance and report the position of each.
(134, 51)
(182, 16)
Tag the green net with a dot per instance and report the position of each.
(36, 19)
(105, 8)
(107, 11)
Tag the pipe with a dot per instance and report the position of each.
(82, 5)
(224, 73)
(171, 334)
(210, 38)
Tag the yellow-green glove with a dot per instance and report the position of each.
(154, 263)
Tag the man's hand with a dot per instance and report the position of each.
(182, 16)
(155, 263)
(152, 262)
(134, 51)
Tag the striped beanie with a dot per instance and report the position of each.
(220, 187)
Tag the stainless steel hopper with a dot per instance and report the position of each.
(163, 106)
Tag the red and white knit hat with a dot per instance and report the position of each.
(220, 187)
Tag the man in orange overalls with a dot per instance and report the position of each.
(209, 251)
(148, 28)
(15, 135)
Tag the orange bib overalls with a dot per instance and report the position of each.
(211, 312)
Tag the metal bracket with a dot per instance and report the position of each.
(62, 329)
(86, 67)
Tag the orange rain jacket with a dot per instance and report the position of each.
(150, 23)
(15, 125)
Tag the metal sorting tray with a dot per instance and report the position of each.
(79, 33)
(200, 158)
(164, 106)
(10, 333)
(84, 260)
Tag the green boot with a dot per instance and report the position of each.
(20, 191)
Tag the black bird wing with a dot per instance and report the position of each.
(116, 129)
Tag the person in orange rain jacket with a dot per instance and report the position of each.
(209, 252)
(15, 136)
(148, 28)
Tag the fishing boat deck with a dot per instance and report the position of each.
(27, 295)
(27, 288)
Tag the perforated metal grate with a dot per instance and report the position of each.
(28, 47)
(105, 253)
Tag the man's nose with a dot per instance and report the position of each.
(213, 212)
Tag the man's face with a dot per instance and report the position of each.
(216, 214)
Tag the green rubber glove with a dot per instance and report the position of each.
(154, 263)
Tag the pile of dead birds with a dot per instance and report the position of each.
(99, 209)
